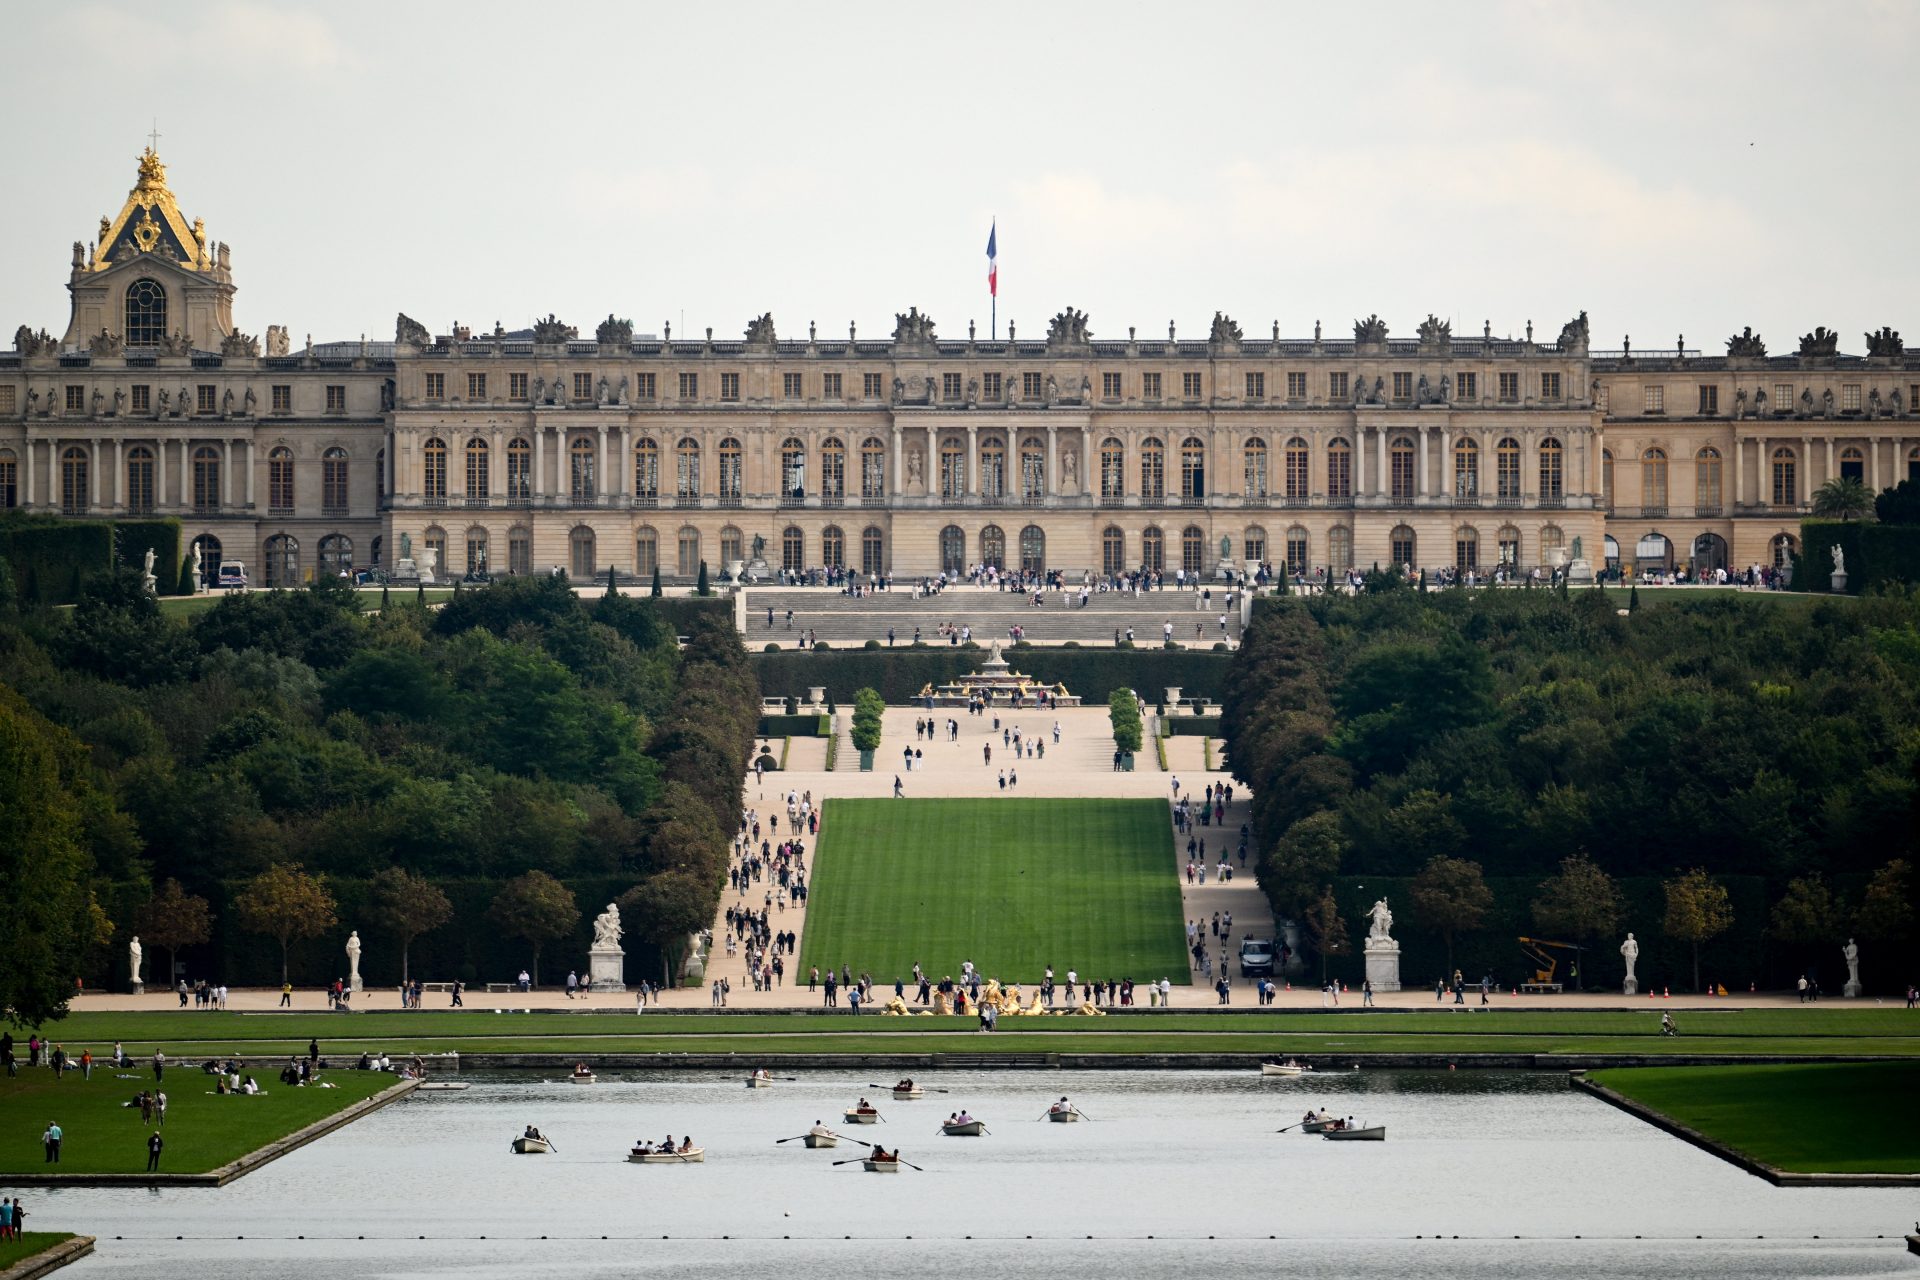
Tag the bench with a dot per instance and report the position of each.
(503, 986)
(1540, 988)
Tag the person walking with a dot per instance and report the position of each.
(50, 1142)
(159, 1065)
(154, 1145)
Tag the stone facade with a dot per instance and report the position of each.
(911, 453)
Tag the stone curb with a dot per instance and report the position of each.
(1009, 1057)
(47, 1261)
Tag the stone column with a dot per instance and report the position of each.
(1358, 479)
(93, 472)
(226, 476)
(540, 461)
(1803, 492)
(1830, 471)
(1382, 482)
(1051, 478)
(603, 489)
(1086, 460)
(973, 463)
(1739, 472)
(1446, 465)
(898, 464)
(1420, 476)
(620, 479)
(119, 476)
(249, 472)
(1873, 454)
(29, 451)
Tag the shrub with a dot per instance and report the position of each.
(868, 706)
(871, 644)
(1124, 711)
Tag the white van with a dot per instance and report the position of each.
(232, 574)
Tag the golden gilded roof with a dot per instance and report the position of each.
(151, 223)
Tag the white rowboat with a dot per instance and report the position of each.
(1378, 1133)
(696, 1156)
(759, 1082)
(1283, 1069)
(530, 1146)
(880, 1166)
(971, 1129)
(855, 1116)
(915, 1092)
(1064, 1117)
(821, 1140)
(579, 1078)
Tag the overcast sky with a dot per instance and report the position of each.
(1667, 167)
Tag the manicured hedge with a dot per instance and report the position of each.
(900, 674)
(680, 612)
(1877, 554)
(132, 538)
(51, 558)
(1192, 726)
(814, 726)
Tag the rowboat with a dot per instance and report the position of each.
(857, 1116)
(759, 1082)
(880, 1166)
(696, 1156)
(971, 1129)
(821, 1140)
(583, 1077)
(1318, 1123)
(1287, 1068)
(1066, 1116)
(915, 1092)
(530, 1146)
(1378, 1133)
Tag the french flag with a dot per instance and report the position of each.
(993, 267)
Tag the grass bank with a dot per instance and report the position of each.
(30, 1244)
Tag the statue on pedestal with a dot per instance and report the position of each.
(1382, 923)
(1382, 952)
(134, 957)
(606, 962)
(353, 961)
(148, 583)
(1630, 951)
(606, 929)
(1852, 953)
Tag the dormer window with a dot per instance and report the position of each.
(146, 314)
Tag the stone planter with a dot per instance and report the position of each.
(866, 762)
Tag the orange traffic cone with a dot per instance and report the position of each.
(1665, 994)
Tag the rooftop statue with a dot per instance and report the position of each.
(1224, 329)
(1069, 328)
(407, 329)
(760, 330)
(1574, 333)
(1885, 343)
(550, 332)
(614, 332)
(911, 327)
(1747, 343)
(1372, 329)
(1821, 343)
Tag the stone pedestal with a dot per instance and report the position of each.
(1631, 987)
(1851, 990)
(1383, 964)
(607, 969)
(139, 988)
(1580, 572)
(1839, 583)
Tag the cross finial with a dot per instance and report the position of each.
(153, 138)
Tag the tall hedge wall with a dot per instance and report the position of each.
(680, 612)
(132, 538)
(51, 558)
(1877, 554)
(899, 674)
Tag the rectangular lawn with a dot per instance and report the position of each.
(1013, 885)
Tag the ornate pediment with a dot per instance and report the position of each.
(1820, 344)
(760, 332)
(1371, 330)
(408, 330)
(1747, 343)
(912, 329)
(1885, 343)
(551, 333)
(150, 224)
(614, 333)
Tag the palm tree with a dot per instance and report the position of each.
(1842, 498)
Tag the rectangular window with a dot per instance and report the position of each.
(9, 472)
(1466, 386)
(1336, 386)
(950, 387)
(1109, 386)
(1549, 386)
(1850, 397)
(1030, 386)
(1256, 386)
(76, 399)
(336, 398)
(643, 386)
(1340, 472)
(1403, 385)
(790, 386)
(1149, 386)
(990, 385)
(689, 386)
(729, 386)
(1653, 400)
(436, 386)
(203, 399)
(8, 401)
(476, 386)
(142, 397)
(1709, 399)
(583, 386)
(1190, 386)
(830, 386)
(516, 386)
(871, 388)
(282, 398)
(1509, 386)
(1783, 397)
(1297, 386)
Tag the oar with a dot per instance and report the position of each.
(1083, 1115)
(795, 1138)
(1292, 1126)
(856, 1160)
(911, 1165)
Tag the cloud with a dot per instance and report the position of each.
(244, 40)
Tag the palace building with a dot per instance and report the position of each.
(913, 452)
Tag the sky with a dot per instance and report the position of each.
(1670, 168)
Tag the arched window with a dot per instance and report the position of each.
(1853, 464)
(1033, 550)
(1709, 553)
(1113, 551)
(433, 477)
(580, 471)
(210, 557)
(873, 551)
(1339, 549)
(646, 471)
(1606, 479)
(1253, 544)
(336, 555)
(1299, 483)
(1654, 550)
(1611, 546)
(1400, 461)
(9, 480)
(1296, 550)
(793, 549)
(333, 481)
(646, 551)
(688, 555)
(793, 470)
(139, 479)
(686, 477)
(1466, 548)
(1193, 549)
(1193, 468)
(1113, 474)
(146, 313)
(1553, 483)
(1401, 548)
(1466, 467)
(1553, 545)
(478, 470)
(1033, 470)
(993, 469)
(1153, 549)
(206, 478)
(1784, 544)
(1653, 480)
(993, 547)
(1509, 546)
(731, 542)
(280, 478)
(953, 469)
(733, 472)
(833, 469)
(873, 469)
(519, 550)
(1340, 470)
(580, 557)
(833, 548)
(1786, 478)
(519, 470)
(1506, 458)
(436, 539)
(1153, 471)
(283, 561)
(476, 550)
(953, 550)
(1253, 466)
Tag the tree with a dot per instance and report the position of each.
(700, 587)
(408, 905)
(172, 919)
(287, 904)
(1807, 914)
(868, 707)
(665, 908)
(656, 592)
(1580, 902)
(1842, 498)
(1452, 895)
(189, 582)
(1308, 854)
(1899, 504)
(613, 588)
(1698, 910)
(1123, 709)
(536, 908)
(1326, 930)
(45, 916)
(1886, 911)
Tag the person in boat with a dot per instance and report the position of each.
(866, 1108)
(820, 1130)
(686, 1144)
(905, 1086)
(953, 1117)
(580, 1069)
(1062, 1105)
(534, 1134)
(760, 1073)
(881, 1155)
(964, 1118)
(642, 1147)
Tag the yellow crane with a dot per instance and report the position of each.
(1541, 952)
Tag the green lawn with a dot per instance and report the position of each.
(1013, 885)
(1819, 1118)
(30, 1243)
(203, 1130)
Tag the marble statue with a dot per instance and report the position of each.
(1382, 952)
(606, 962)
(1852, 953)
(148, 583)
(1839, 560)
(1630, 952)
(1382, 922)
(1069, 466)
(353, 960)
(1226, 548)
(248, 401)
(119, 401)
(1053, 389)
(134, 956)
(913, 466)
(198, 569)
(606, 928)
(406, 546)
